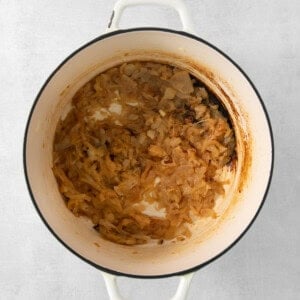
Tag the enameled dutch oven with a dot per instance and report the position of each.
(249, 181)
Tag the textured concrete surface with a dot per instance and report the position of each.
(262, 36)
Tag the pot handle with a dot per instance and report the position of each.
(113, 291)
(178, 5)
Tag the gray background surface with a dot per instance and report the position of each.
(262, 36)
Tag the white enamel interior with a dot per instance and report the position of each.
(77, 233)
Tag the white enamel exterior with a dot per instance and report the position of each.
(178, 5)
(77, 233)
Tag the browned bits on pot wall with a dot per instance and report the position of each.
(140, 153)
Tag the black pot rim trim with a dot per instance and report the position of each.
(102, 37)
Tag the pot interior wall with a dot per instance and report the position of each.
(212, 236)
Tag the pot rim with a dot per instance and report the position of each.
(102, 37)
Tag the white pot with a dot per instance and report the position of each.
(255, 149)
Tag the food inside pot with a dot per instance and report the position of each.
(141, 153)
